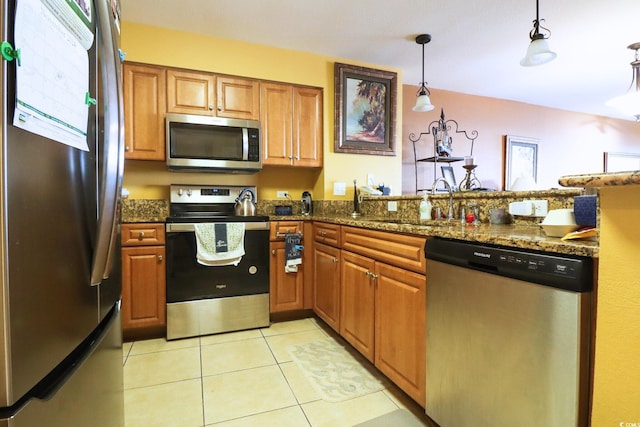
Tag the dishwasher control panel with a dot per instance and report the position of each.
(568, 272)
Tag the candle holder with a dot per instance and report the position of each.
(470, 182)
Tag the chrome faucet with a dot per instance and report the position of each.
(449, 190)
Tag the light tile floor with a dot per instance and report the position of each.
(242, 378)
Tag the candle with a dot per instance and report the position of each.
(468, 161)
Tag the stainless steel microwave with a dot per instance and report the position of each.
(213, 144)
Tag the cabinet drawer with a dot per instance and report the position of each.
(280, 228)
(400, 250)
(142, 234)
(326, 233)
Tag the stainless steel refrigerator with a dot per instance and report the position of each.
(60, 331)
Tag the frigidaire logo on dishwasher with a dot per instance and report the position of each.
(482, 255)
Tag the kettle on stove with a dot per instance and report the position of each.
(245, 205)
(307, 203)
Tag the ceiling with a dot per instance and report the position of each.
(476, 45)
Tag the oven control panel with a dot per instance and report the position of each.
(184, 193)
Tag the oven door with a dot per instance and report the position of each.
(188, 280)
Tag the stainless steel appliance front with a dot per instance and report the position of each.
(503, 351)
(212, 143)
(204, 299)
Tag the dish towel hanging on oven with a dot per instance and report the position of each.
(293, 251)
(219, 243)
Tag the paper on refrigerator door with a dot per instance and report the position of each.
(52, 79)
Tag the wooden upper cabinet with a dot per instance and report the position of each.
(191, 92)
(145, 103)
(276, 117)
(291, 119)
(238, 98)
(307, 126)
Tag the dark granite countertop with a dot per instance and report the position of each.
(519, 236)
(524, 236)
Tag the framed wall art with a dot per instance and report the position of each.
(621, 162)
(520, 159)
(365, 110)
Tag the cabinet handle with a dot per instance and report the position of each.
(297, 157)
(160, 258)
(290, 157)
(368, 273)
(126, 148)
(210, 107)
(374, 276)
(335, 260)
(219, 107)
(141, 235)
(322, 233)
(273, 251)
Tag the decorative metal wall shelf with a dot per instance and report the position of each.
(442, 148)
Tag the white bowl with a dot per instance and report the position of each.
(554, 230)
(560, 217)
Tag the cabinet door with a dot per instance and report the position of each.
(326, 279)
(357, 302)
(190, 92)
(276, 115)
(145, 103)
(401, 328)
(285, 289)
(238, 98)
(307, 127)
(143, 287)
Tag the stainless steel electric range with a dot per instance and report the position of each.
(210, 297)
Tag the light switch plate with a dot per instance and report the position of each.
(339, 188)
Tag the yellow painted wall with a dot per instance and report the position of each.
(616, 398)
(161, 46)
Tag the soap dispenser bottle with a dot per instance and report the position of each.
(425, 207)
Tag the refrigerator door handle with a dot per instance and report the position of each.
(111, 185)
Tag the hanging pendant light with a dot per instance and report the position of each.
(629, 103)
(538, 52)
(423, 103)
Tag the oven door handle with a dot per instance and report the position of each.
(189, 227)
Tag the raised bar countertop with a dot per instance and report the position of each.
(601, 179)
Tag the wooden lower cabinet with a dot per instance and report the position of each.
(286, 290)
(143, 280)
(370, 286)
(143, 288)
(357, 302)
(326, 279)
(400, 337)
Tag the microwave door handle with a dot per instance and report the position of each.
(113, 152)
(245, 144)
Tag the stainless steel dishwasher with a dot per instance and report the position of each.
(508, 335)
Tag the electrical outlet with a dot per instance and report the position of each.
(282, 194)
(540, 207)
(339, 188)
(392, 206)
